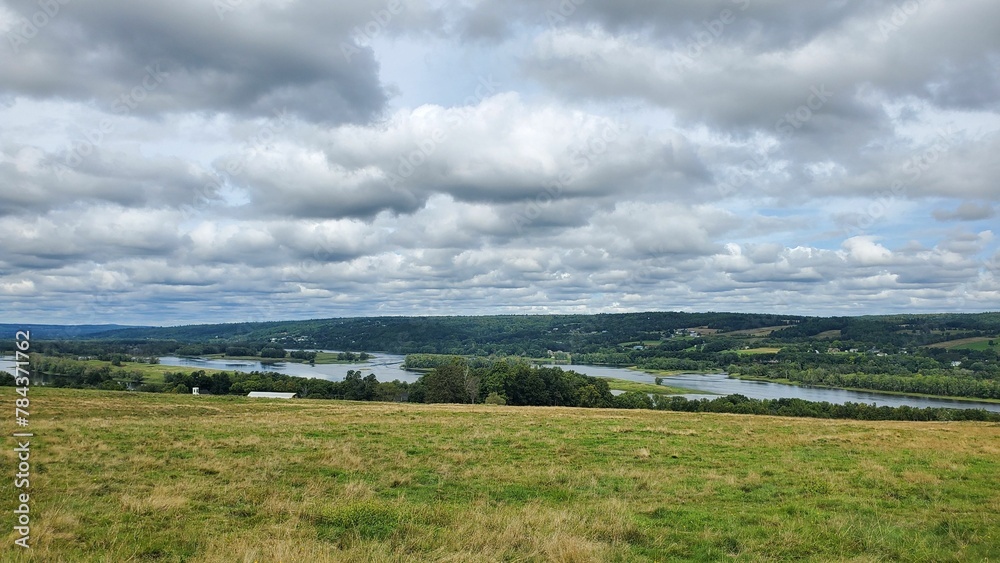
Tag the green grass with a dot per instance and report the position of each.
(331, 358)
(321, 358)
(546, 361)
(669, 372)
(981, 346)
(626, 385)
(153, 372)
(973, 343)
(756, 332)
(130, 477)
(753, 351)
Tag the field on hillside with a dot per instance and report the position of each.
(763, 331)
(753, 351)
(153, 373)
(973, 343)
(147, 477)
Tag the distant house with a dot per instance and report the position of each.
(269, 395)
(956, 363)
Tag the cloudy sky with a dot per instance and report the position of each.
(234, 160)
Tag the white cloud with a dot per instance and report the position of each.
(472, 158)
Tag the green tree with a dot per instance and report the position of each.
(446, 384)
(591, 397)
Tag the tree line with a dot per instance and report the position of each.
(945, 385)
(501, 383)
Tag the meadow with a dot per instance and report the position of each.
(121, 477)
(979, 343)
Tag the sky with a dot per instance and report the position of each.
(200, 161)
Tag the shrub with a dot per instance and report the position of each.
(495, 398)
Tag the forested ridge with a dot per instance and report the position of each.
(534, 335)
(952, 355)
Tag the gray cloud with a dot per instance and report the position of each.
(967, 211)
(36, 180)
(615, 157)
(149, 58)
(501, 151)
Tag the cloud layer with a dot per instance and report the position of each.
(196, 162)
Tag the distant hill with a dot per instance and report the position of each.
(60, 332)
(535, 335)
(531, 334)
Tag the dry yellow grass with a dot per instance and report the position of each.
(128, 477)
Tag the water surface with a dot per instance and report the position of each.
(386, 367)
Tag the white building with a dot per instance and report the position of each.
(269, 395)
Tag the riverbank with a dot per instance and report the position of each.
(671, 372)
(783, 381)
(321, 358)
(651, 388)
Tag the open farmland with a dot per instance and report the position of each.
(154, 477)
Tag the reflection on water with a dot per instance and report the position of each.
(386, 367)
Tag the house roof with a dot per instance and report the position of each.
(269, 395)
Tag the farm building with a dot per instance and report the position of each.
(269, 395)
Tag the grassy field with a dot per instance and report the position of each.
(753, 351)
(153, 372)
(626, 385)
(980, 345)
(974, 343)
(321, 358)
(669, 372)
(123, 477)
(759, 332)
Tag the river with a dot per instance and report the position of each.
(386, 367)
